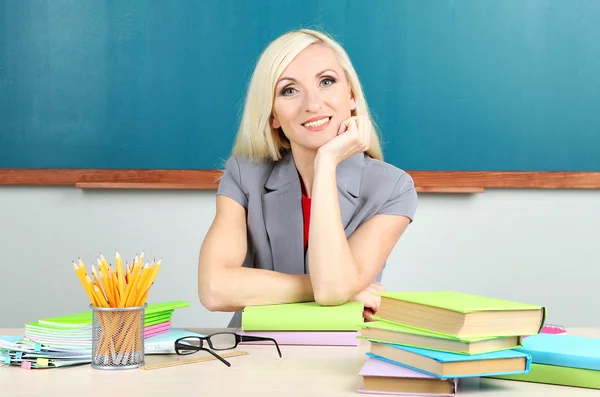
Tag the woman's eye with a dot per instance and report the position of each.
(327, 81)
(288, 91)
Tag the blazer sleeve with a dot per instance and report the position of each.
(403, 200)
(231, 183)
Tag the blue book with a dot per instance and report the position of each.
(563, 350)
(445, 365)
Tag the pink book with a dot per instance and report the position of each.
(157, 329)
(410, 382)
(307, 338)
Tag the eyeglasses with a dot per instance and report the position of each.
(217, 341)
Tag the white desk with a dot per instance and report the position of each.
(303, 371)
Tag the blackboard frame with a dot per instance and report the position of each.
(425, 181)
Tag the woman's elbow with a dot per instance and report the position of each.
(331, 297)
(211, 298)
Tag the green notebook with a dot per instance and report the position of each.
(555, 375)
(459, 314)
(305, 316)
(77, 320)
(41, 327)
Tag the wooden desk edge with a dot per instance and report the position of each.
(425, 181)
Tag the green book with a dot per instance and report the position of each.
(556, 375)
(386, 332)
(305, 316)
(458, 314)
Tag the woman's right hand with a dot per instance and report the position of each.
(353, 136)
(369, 299)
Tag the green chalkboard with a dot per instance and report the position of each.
(159, 84)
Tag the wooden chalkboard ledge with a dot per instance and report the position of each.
(425, 181)
(144, 185)
(179, 186)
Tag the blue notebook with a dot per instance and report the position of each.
(445, 365)
(563, 350)
(165, 343)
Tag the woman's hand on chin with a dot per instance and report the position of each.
(354, 136)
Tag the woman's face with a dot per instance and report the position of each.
(312, 98)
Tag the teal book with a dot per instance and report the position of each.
(563, 350)
(444, 365)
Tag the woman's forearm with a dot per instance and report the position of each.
(233, 288)
(334, 273)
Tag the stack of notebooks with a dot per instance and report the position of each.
(561, 360)
(75, 330)
(67, 340)
(431, 339)
(305, 323)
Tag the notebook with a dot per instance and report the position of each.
(386, 332)
(553, 329)
(461, 315)
(14, 352)
(305, 316)
(556, 375)
(165, 342)
(381, 377)
(448, 365)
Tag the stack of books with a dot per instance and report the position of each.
(564, 360)
(67, 340)
(435, 338)
(305, 323)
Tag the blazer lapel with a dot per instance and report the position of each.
(282, 209)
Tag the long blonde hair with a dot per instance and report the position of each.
(256, 138)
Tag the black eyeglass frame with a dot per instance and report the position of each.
(179, 347)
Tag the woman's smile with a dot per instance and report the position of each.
(317, 123)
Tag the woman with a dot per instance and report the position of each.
(306, 209)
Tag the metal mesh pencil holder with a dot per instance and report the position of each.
(117, 337)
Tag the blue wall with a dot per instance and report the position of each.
(454, 85)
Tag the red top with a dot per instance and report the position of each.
(306, 214)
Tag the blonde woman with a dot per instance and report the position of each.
(306, 209)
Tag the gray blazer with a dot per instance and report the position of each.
(272, 196)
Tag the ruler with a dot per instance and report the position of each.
(176, 362)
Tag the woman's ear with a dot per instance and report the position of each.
(274, 122)
(352, 101)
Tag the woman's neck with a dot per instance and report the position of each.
(305, 164)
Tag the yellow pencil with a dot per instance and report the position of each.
(120, 275)
(85, 287)
(129, 288)
(100, 297)
(103, 260)
(115, 283)
(150, 282)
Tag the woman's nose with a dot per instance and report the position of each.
(314, 102)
